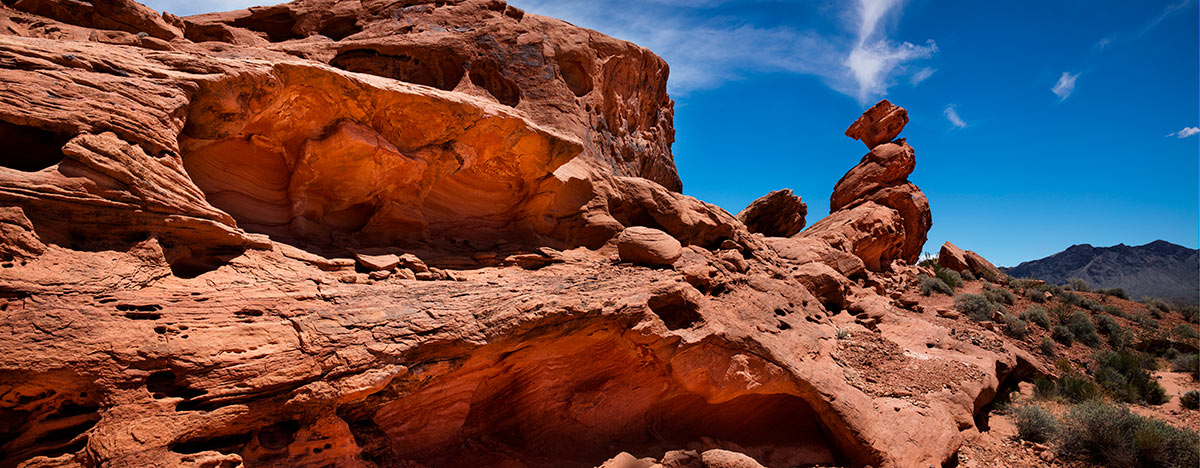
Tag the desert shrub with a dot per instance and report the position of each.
(1121, 338)
(1035, 295)
(968, 276)
(1060, 312)
(1062, 334)
(1037, 314)
(977, 307)
(1145, 320)
(1015, 327)
(930, 285)
(1082, 329)
(1078, 284)
(1107, 325)
(1072, 299)
(1035, 424)
(1184, 332)
(1123, 374)
(1115, 292)
(1091, 304)
(1154, 303)
(1190, 399)
(1076, 387)
(1024, 284)
(1190, 313)
(950, 277)
(1114, 310)
(1046, 346)
(999, 295)
(1187, 363)
(1044, 387)
(1114, 436)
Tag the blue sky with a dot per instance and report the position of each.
(1037, 125)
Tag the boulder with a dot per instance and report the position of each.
(879, 124)
(648, 246)
(952, 257)
(886, 165)
(385, 262)
(777, 214)
(718, 458)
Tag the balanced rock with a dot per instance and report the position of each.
(879, 124)
(881, 180)
(777, 214)
(648, 246)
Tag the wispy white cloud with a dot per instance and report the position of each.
(1065, 85)
(922, 75)
(1130, 36)
(1186, 132)
(874, 56)
(952, 116)
(706, 50)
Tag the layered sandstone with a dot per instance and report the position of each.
(382, 234)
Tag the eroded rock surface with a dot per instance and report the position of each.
(777, 214)
(379, 234)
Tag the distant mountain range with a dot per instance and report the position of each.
(1160, 269)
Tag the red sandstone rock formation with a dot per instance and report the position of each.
(776, 214)
(382, 234)
(879, 124)
(875, 212)
(954, 258)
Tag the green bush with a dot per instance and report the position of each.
(1047, 346)
(1123, 374)
(1184, 332)
(1082, 329)
(1035, 296)
(1120, 338)
(1114, 310)
(999, 295)
(1035, 424)
(1107, 325)
(1078, 284)
(1145, 320)
(1076, 387)
(950, 277)
(1037, 314)
(1115, 292)
(1072, 299)
(930, 285)
(1190, 399)
(1060, 312)
(968, 276)
(1155, 305)
(1062, 334)
(1115, 437)
(1015, 327)
(1187, 363)
(1044, 387)
(977, 307)
(1190, 313)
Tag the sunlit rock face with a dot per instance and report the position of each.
(380, 234)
